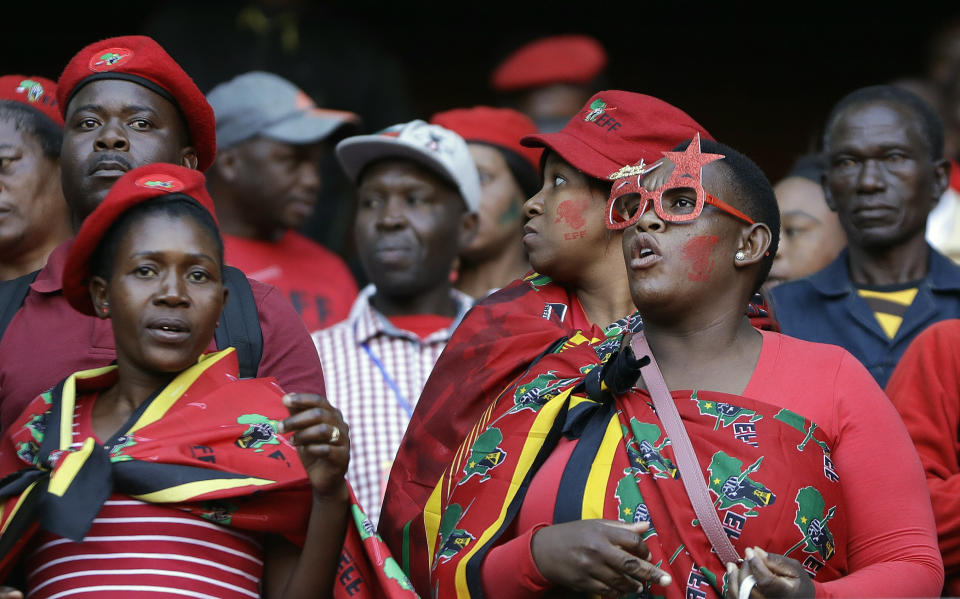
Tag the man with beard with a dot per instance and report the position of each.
(126, 103)
(270, 140)
(885, 172)
(417, 194)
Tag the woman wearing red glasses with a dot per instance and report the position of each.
(603, 470)
(578, 284)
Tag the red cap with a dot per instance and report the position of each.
(140, 59)
(134, 187)
(555, 59)
(501, 127)
(36, 92)
(616, 129)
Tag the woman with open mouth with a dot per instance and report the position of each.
(164, 473)
(701, 456)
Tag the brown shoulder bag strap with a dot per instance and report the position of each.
(690, 472)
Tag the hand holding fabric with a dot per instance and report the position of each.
(596, 556)
(322, 440)
(775, 576)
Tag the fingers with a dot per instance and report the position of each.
(629, 537)
(313, 420)
(10, 593)
(732, 586)
(778, 575)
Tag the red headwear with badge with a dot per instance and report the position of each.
(616, 129)
(501, 127)
(36, 92)
(134, 187)
(140, 59)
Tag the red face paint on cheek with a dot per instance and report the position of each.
(571, 211)
(697, 253)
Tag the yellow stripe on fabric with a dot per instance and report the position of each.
(904, 297)
(172, 392)
(431, 520)
(68, 401)
(68, 468)
(889, 323)
(576, 400)
(16, 507)
(531, 447)
(595, 495)
(188, 491)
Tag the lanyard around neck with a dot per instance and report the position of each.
(401, 400)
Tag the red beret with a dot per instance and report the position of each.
(140, 59)
(36, 92)
(501, 127)
(555, 59)
(134, 187)
(616, 129)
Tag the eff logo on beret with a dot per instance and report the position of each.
(160, 182)
(109, 59)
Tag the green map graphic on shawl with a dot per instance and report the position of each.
(37, 427)
(724, 412)
(218, 511)
(390, 566)
(733, 485)
(808, 427)
(116, 450)
(262, 431)
(535, 394)
(632, 508)
(644, 452)
(484, 455)
(812, 522)
(452, 539)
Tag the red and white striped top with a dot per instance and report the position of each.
(135, 548)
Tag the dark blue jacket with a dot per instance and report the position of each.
(826, 308)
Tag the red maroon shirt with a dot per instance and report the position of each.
(48, 340)
(315, 280)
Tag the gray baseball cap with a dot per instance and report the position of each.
(264, 104)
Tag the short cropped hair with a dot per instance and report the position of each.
(31, 121)
(753, 192)
(931, 127)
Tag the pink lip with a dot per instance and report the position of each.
(170, 330)
(640, 259)
(529, 232)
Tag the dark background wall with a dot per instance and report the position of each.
(760, 77)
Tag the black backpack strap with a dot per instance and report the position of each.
(240, 323)
(12, 294)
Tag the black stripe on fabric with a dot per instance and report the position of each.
(882, 306)
(22, 520)
(71, 514)
(474, 581)
(136, 477)
(573, 482)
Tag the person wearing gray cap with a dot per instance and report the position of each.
(417, 195)
(265, 181)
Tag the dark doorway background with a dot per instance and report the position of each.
(760, 77)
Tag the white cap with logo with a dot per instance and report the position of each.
(435, 147)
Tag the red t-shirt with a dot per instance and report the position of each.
(315, 280)
(48, 340)
(890, 551)
(421, 325)
(925, 389)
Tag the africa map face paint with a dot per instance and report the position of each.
(571, 212)
(697, 253)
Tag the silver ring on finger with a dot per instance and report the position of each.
(334, 436)
(746, 587)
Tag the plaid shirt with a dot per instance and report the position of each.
(374, 373)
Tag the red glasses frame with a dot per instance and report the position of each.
(655, 197)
